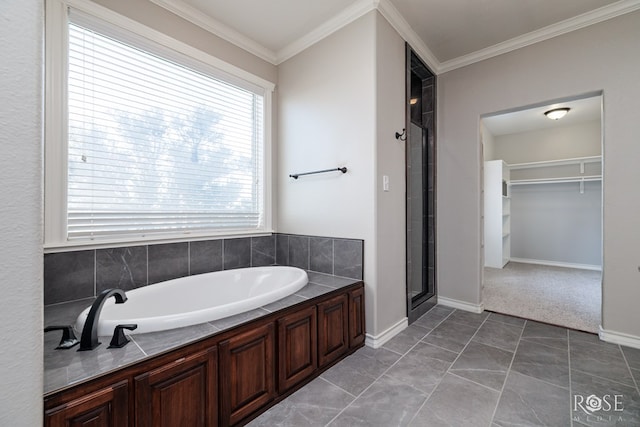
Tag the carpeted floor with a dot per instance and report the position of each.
(561, 296)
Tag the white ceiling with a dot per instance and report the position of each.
(530, 119)
(446, 33)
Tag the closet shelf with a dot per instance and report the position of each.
(563, 162)
(557, 180)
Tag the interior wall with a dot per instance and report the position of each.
(555, 223)
(563, 142)
(390, 161)
(599, 57)
(326, 119)
(21, 366)
(162, 20)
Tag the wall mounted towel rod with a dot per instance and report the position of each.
(296, 175)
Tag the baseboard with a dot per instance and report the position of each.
(461, 305)
(557, 264)
(619, 338)
(379, 340)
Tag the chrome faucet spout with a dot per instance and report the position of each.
(89, 338)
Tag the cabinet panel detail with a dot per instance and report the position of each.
(180, 393)
(333, 324)
(297, 349)
(356, 317)
(107, 407)
(247, 373)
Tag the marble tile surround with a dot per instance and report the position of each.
(70, 276)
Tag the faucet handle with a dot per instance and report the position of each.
(119, 339)
(68, 337)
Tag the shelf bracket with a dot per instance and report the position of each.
(582, 167)
(582, 187)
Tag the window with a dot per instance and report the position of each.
(156, 144)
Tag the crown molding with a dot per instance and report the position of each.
(342, 19)
(216, 27)
(581, 21)
(397, 21)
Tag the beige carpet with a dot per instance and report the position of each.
(560, 296)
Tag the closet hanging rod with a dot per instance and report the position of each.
(296, 175)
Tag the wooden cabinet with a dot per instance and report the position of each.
(297, 349)
(356, 317)
(333, 324)
(106, 407)
(180, 393)
(247, 373)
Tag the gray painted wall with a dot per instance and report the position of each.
(599, 57)
(21, 51)
(554, 222)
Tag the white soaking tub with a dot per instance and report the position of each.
(197, 299)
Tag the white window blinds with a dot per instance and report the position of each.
(157, 147)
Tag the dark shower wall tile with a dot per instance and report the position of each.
(263, 251)
(205, 256)
(123, 268)
(321, 254)
(237, 253)
(282, 249)
(348, 258)
(168, 261)
(69, 276)
(299, 252)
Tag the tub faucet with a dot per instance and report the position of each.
(89, 338)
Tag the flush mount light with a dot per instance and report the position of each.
(557, 113)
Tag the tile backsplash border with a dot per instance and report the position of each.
(69, 276)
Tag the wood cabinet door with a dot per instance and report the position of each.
(333, 324)
(297, 349)
(247, 373)
(107, 407)
(356, 317)
(180, 393)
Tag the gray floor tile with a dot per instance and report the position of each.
(499, 335)
(431, 319)
(527, 401)
(458, 402)
(451, 335)
(636, 376)
(423, 367)
(542, 333)
(600, 359)
(509, 320)
(315, 404)
(632, 355)
(546, 363)
(388, 402)
(361, 369)
(406, 339)
(623, 410)
(468, 318)
(483, 364)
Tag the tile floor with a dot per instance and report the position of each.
(454, 368)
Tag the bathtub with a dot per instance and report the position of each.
(197, 299)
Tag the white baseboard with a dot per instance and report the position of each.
(619, 338)
(380, 339)
(461, 305)
(557, 264)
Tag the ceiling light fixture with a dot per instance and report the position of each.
(413, 101)
(557, 113)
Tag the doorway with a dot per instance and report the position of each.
(420, 179)
(542, 213)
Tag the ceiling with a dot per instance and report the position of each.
(446, 33)
(533, 118)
